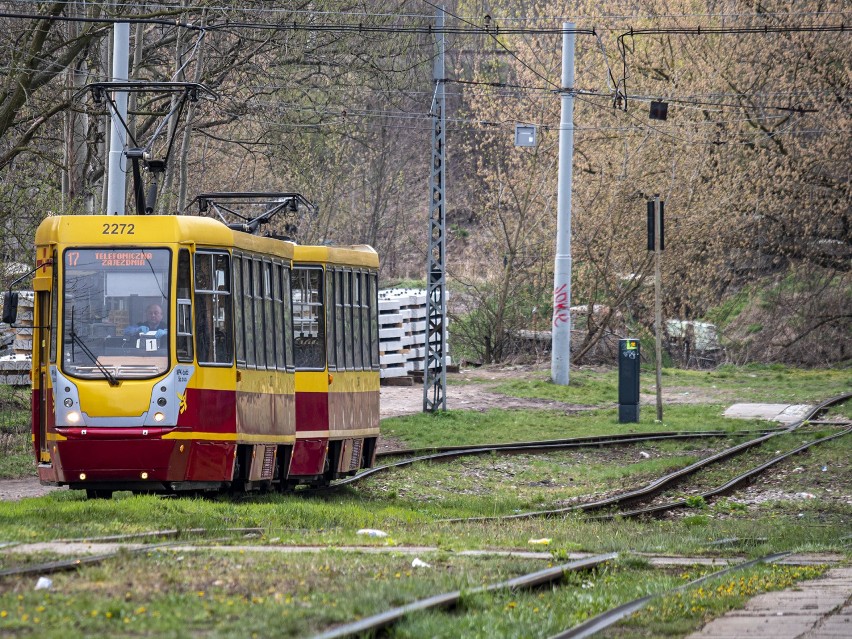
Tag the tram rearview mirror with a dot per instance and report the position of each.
(10, 307)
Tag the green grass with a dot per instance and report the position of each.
(726, 384)
(166, 593)
(16, 456)
(457, 427)
(240, 592)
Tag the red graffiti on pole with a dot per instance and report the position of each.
(560, 305)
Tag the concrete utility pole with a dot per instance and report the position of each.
(435, 362)
(561, 335)
(115, 176)
(658, 305)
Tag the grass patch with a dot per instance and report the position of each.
(682, 612)
(587, 387)
(237, 592)
(16, 456)
(461, 428)
(165, 593)
(726, 384)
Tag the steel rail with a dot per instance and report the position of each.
(531, 580)
(63, 565)
(586, 440)
(659, 484)
(608, 618)
(728, 486)
(582, 442)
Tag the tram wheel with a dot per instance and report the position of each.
(98, 493)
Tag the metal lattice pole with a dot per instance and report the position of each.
(435, 365)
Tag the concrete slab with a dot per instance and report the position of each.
(834, 627)
(816, 609)
(783, 413)
(775, 627)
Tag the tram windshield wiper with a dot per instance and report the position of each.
(76, 339)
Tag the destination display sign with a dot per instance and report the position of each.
(114, 259)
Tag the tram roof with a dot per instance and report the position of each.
(355, 255)
(112, 230)
(102, 230)
(146, 229)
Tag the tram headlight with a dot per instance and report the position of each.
(68, 402)
(73, 417)
(158, 417)
(161, 401)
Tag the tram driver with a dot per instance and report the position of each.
(153, 322)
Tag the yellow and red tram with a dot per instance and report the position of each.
(336, 341)
(238, 387)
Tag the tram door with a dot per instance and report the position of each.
(43, 334)
(312, 379)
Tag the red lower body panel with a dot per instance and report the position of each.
(311, 446)
(308, 457)
(126, 459)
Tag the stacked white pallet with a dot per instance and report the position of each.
(415, 337)
(16, 359)
(393, 353)
(403, 316)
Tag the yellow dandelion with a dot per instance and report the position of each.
(3, 614)
(108, 615)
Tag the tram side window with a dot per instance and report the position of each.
(213, 325)
(338, 321)
(278, 317)
(239, 318)
(288, 318)
(269, 328)
(374, 319)
(308, 318)
(259, 332)
(356, 320)
(347, 317)
(184, 308)
(365, 319)
(330, 309)
(249, 319)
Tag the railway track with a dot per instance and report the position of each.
(616, 614)
(446, 600)
(648, 491)
(454, 452)
(381, 621)
(547, 444)
(667, 481)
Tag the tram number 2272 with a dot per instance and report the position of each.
(119, 229)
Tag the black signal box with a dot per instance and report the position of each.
(628, 380)
(651, 242)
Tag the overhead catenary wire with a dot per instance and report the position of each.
(706, 31)
(554, 18)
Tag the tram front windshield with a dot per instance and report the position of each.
(114, 321)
